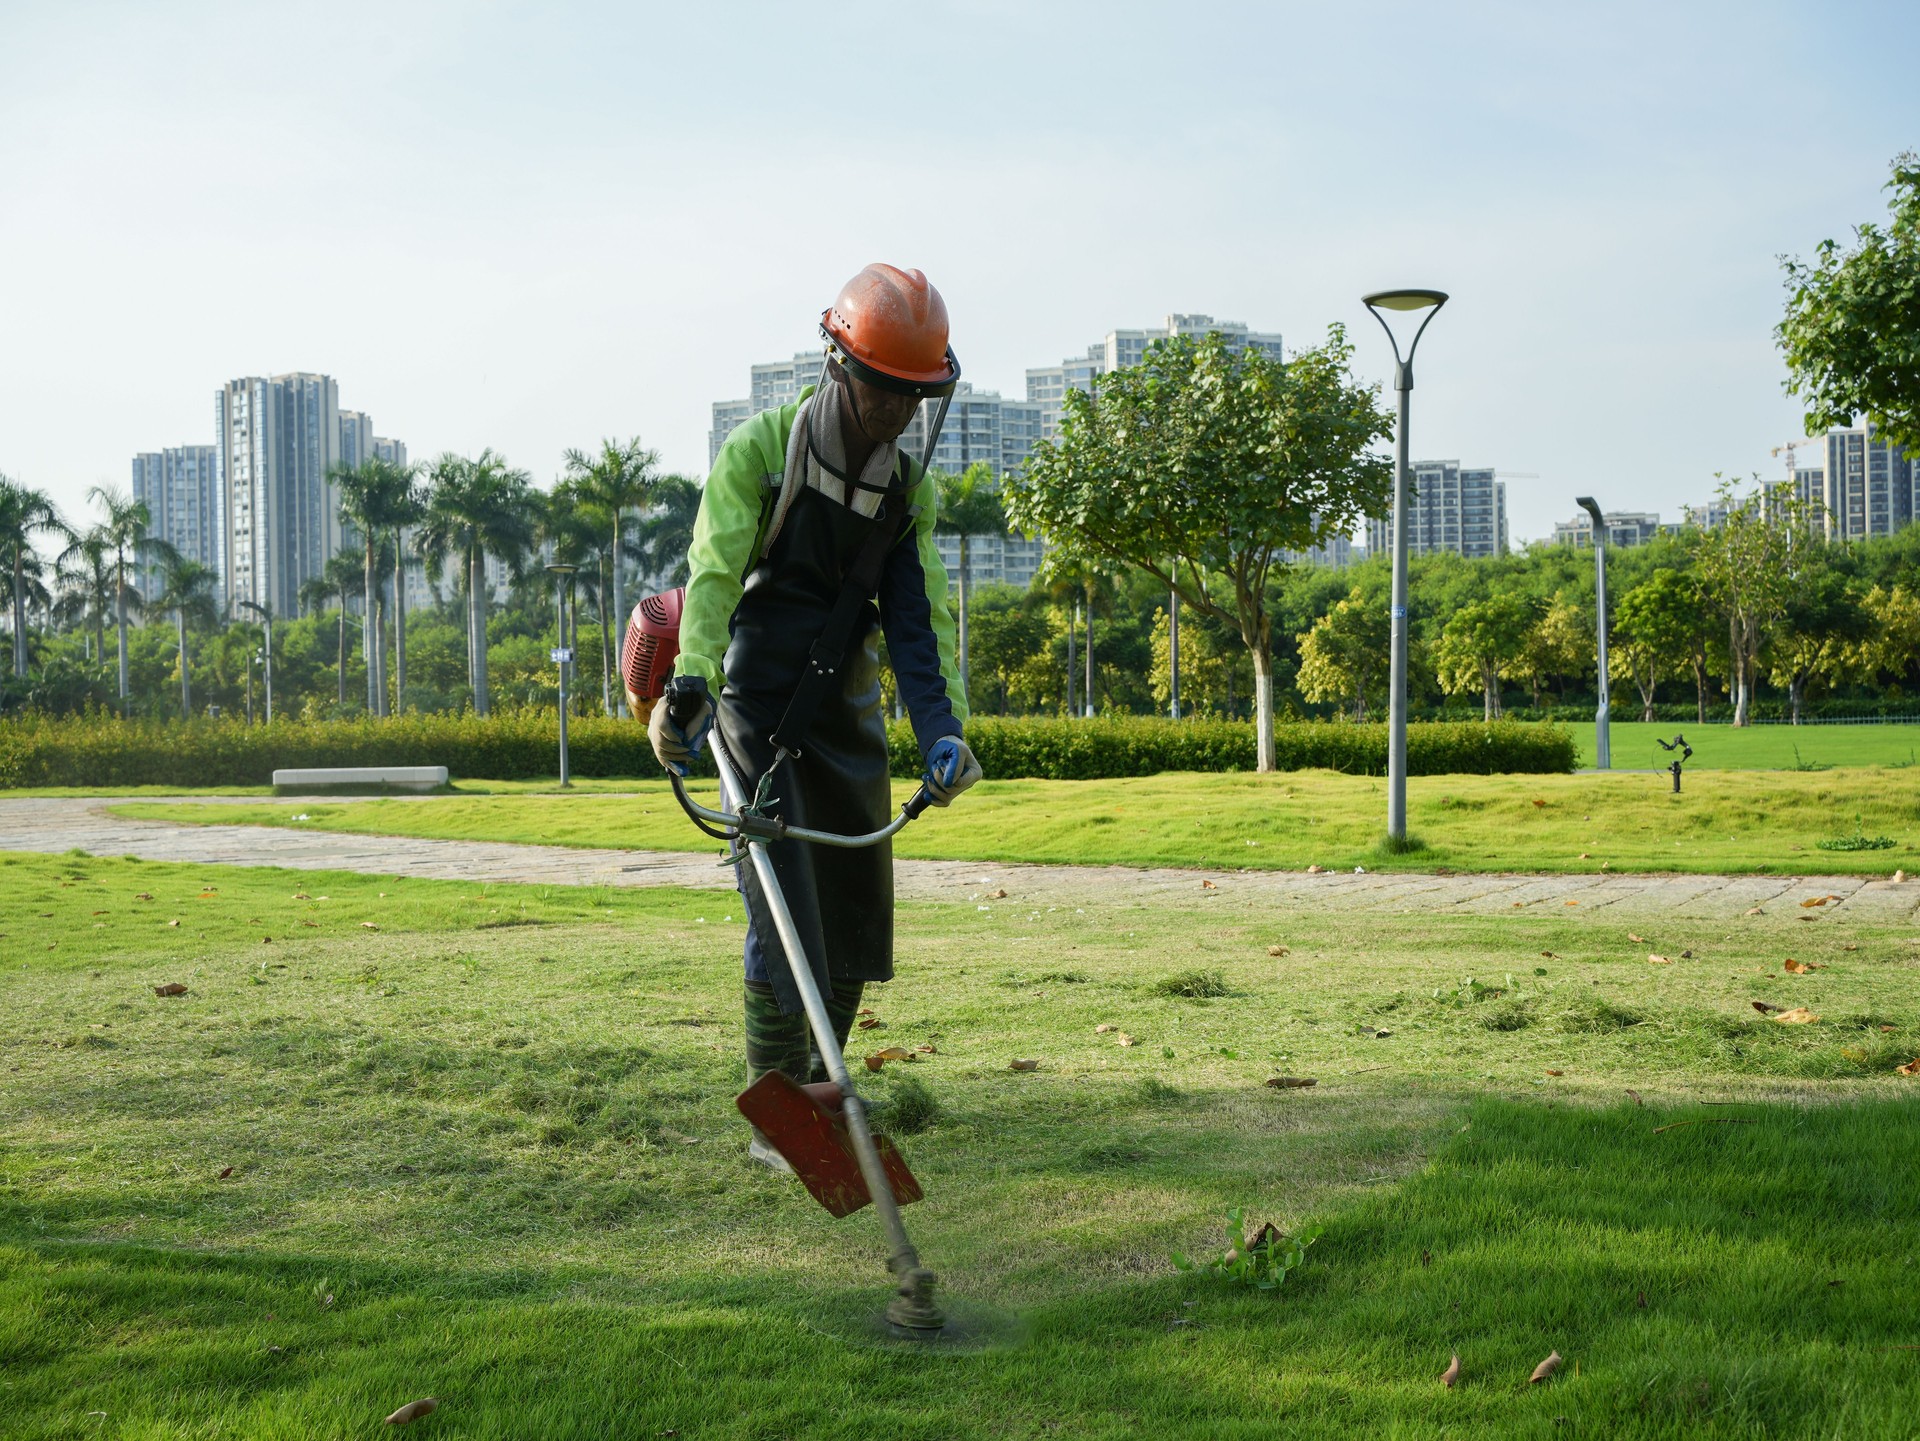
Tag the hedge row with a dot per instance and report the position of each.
(522, 745)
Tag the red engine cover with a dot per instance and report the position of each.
(652, 642)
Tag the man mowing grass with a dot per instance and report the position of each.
(815, 536)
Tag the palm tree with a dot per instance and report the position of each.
(477, 508)
(376, 496)
(1079, 581)
(619, 478)
(576, 529)
(186, 589)
(339, 579)
(125, 530)
(661, 541)
(24, 512)
(85, 570)
(969, 506)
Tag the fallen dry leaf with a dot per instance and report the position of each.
(171, 988)
(1539, 803)
(1291, 1083)
(173, 923)
(1798, 1016)
(1765, 1008)
(1519, 905)
(895, 1053)
(413, 1411)
(1103, 1028)
(1686, 955)
(301, 896)
(1637, 940)
(1753, 911)
(870, 1022)
(1548, 956)
(1556, 1073)
(1815, 901)
(1208, 886)
(1659, 960)
(1573, 903)
(1452, 1373)
(927, 1050)
(1899, 876)
(1277, 951)
(996, 895)
(1545, 1369)
(228, 1171)
(1634, 1096)
(143, 896)
(1850, 946)
(314, 924)
(1123, 1039)
(1316, 870)
(368, 926)
(1023, 1065)
(874, 1063)
(1912, 1068)
(1800, 968)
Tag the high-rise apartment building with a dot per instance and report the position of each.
(277, 438)
(387, 449)
(358, 443)
(1048, 385)
(181, 489)
(1867, 486)
(1624, 528)
(1452, 508)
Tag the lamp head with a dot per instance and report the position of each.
(1592, 508)
(559, 568)
(1404, 299)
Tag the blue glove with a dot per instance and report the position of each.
(951, 768)
(677, 742)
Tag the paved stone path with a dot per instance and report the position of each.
(63, 824)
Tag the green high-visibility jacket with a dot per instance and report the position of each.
(729, 533)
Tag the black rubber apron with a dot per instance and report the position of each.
(842, 900)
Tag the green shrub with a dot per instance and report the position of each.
(102, 750)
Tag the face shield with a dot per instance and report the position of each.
(934, 395)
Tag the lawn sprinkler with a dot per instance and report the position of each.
(822, 1130)
(1678, 743)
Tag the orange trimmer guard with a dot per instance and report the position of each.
(813, 1139)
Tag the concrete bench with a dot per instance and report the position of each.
(358, 780)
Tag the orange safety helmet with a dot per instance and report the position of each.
(889, 327)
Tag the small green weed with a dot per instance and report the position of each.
(1471, 992)
(910, 1107)
(1262, 1263)
(1193, 985)
(1858, 841)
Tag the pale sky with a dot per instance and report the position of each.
(530, 226)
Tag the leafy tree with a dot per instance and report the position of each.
(617, 478)
(1852, 319)
(1821, 619)
(1484, 641)
(1344, 657)
(85, 570)
(477, 508)
(1201, 466)
(24, 513)
(1657, 628)
(1889, 643)
(1745, 568)
(1008, 634)
(577, 529)
(969, 506)
(1561, 643)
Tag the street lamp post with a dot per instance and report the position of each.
(1173, 651)
(1405, 300)
(1602, 749)
(562, 656)
(266, 622)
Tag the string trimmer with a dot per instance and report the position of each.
(822, 1130)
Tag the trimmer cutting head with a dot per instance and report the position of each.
(813, 1138)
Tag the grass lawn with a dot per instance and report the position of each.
(487, 1152)
(1767, 747)
(1723, 823)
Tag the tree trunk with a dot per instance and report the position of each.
(1700, 686)
(572, 643)
(1647, 691)
(19, 612)
(186, 693)
(400, 622)
(1263, 708)
(374, 638)
(343, 652)
(1490, 691)
(606, 659)
(963, 607)
(1795, 690)
(477, 605)
(120, 621)
(1737, 653)
(619, 613)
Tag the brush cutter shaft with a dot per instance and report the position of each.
(901, 1257)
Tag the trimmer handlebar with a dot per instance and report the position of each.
(736, 825)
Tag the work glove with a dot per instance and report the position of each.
(677, 741)
(951, 768)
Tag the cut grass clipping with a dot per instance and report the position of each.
(500, 1166)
